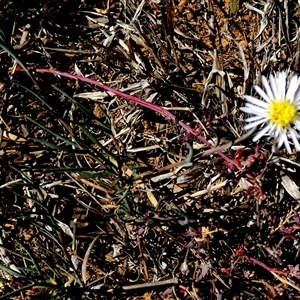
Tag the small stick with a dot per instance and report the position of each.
(171, 281)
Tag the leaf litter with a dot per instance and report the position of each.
(107, 199)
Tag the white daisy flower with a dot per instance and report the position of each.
(279, 110)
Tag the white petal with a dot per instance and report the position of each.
(273, 86)
(278, 132)
(281, 139)
(297, 95)
(293, 86)
(261, 133)
(281, 85)
(256, 118)
(275, 130)
(254, 124)
(297, 124)
(262, 93)
(296, 134)
(267, 87)
(254, 110)
(295, 140)
(287, 146)
(257, 102)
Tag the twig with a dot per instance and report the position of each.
(172, 281)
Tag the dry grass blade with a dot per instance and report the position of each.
(84, 272)
(172, 281)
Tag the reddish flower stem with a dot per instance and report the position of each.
(144, 103)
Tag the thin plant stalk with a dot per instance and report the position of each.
(154, 107)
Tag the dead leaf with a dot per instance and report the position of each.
(12, 137)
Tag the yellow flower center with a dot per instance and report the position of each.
(283, 113)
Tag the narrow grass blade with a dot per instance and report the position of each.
(66, 140)
(83, 109)
(11, 272)
(48, 107)
(31, 256)
(24, 176)
(108, 156)
(17, 291)
(52, 146)
(10, 51)
(62, 170)
(29, 182)
(48, 234)
(97, 174)
(86, 258)
(76, 279)
(34, 94)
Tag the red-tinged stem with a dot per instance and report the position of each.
(141, 102)
(257, 262)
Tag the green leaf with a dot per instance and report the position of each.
(108, 156)
(12, 272)
(53, 146)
